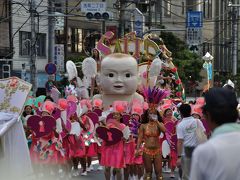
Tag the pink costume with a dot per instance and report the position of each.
(113, 155)
(170, 124)
(129, 151)
(90, 148)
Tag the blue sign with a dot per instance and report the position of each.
(194, 19)
(50, 68)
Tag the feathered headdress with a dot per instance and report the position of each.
(155, 95)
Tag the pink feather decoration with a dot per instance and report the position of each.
(155, 95)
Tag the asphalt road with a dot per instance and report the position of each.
(99, 175)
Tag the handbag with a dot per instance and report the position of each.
(201, 136)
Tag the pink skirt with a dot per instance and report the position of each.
(113, 156)
(138, 160)
(129, 150)
(43, 158)
(76, 146)
(173, 159)
(91, 151)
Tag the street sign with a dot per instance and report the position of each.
(138, 22)
(194, 36)
(93, 7)
(194, 19)
(50, 68)
(59, 56)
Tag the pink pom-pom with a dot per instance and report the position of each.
(62, 103)
(119, 108)
(97, 103)
(137, 110)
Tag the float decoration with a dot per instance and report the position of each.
(152, 56)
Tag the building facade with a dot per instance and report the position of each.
(5, 39)
(21, 31)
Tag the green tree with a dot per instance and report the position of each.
(189, 64)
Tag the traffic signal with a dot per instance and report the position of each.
(6, 71)
(98, 15)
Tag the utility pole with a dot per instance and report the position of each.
(235, 11)
(66, 32)
(103, 23)
(33, 42)
(121, 18)
(51, 31)
(150, 15)
(235, 39)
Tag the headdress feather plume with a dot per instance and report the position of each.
(155, 95)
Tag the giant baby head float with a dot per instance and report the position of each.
(119, 74)
(118, 79)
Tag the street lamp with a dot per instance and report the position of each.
(207, 65)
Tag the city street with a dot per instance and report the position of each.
(97, 175)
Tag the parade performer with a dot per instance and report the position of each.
(135, 122)
(76, 143)
(149, 133)
(170, 124)
(87, 134)
(113, 143)
(198, 114)
(45, 148)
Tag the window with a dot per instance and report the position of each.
(77, 40)
(25, 43)
(207, 9)
(167, 8)
(4, 9)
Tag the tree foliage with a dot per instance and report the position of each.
(189, 64)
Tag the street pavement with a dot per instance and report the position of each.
(99, 175)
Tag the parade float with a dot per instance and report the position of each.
(155, 64)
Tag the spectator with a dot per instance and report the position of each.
(187, 139)
(217, 158)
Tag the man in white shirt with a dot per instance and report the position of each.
(217, 159)
(187, 139)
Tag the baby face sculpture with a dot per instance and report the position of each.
(118, 75)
